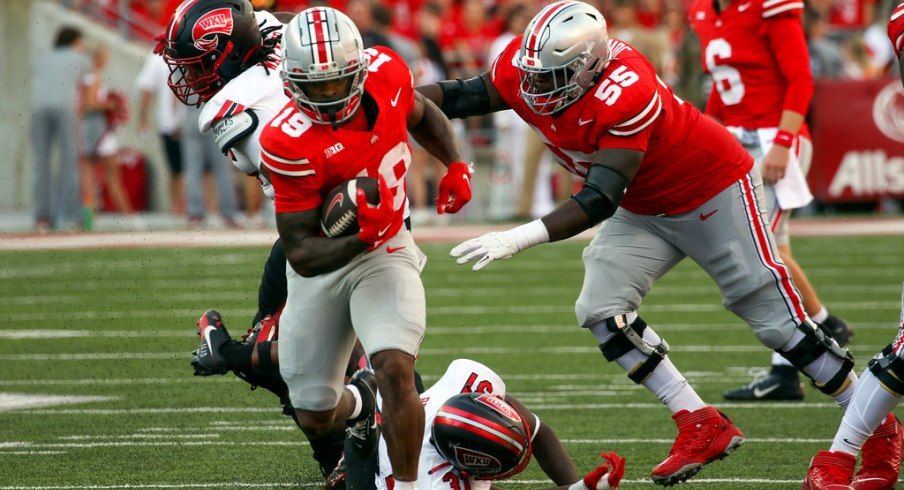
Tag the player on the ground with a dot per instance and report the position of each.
(867, 424)
(476, 435)
(756, 53)
(349, 117)
(666, 183)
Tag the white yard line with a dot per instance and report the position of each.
(252, 238)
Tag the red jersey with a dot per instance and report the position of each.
(306, 160)
(688, 158)
(757, 55)
(896, 29)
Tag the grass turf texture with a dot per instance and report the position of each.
(119, 324)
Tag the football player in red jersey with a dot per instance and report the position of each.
(667, 183)
(350, 114)
(867, 424)
(756, 53)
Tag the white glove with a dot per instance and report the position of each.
(487, 248)
(500, 244)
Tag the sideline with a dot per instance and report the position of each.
(251, 238)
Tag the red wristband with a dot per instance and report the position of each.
(784, 138)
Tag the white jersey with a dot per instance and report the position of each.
(256, 90)
(434, 472)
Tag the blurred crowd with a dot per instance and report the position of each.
(443, 39)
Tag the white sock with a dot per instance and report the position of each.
(778, 360)
(820, 316)
(868, 408)
(405, 485)
(359, 404)
(823, 369)
(666, 382)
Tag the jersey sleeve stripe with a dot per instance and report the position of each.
(640, 121)
(288, 173)
(269, 156)
(292, 168)
(783, 7)
(897, 13)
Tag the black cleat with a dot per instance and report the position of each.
(776, 385)
(838, 329)
(209, 358)
(363, 429)
(336, 478)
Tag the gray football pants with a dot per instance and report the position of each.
(63, 207)
(728, 236)
(200, 149)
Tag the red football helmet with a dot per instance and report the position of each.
(482, 436)
(207, 44)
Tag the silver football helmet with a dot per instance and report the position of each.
(564, 50)
(324, 65)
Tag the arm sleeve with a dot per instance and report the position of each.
(789, 46)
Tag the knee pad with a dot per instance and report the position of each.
(629, 337)
(889, 370)
(814, 344)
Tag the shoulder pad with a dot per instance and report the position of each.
(773, 9)
(231, 129)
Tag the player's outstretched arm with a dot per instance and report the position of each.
(604, 187)
(546, 447)
(464, 98)
(310, 254)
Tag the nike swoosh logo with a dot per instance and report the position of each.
(581, 123)
(396, 99)
(758, 393)
(337, 201)
(384, 230)
(707, 215)
(744, 7)
(467, 178)
(393, 250)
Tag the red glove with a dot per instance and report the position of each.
(379, 223)
(595, 481)
(454, 188)
(161, 43)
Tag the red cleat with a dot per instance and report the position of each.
(704, 436)
(830, 471)
(881, 457)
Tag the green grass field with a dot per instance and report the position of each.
(117, 327)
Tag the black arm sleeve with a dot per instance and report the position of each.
(463, 98)
(273, 289)
(603, 191)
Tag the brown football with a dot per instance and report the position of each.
(339, 213)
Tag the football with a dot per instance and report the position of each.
(339, 214)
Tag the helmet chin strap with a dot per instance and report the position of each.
(331, 113)
(331, 110)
